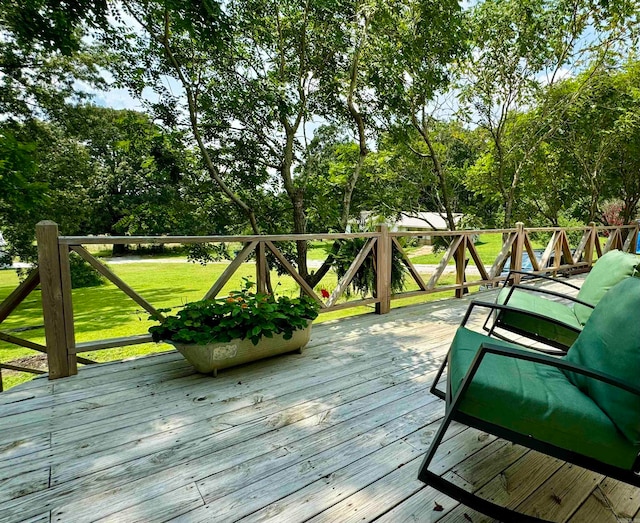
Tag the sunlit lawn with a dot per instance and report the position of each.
(106, 312)
(317, 250)
(488, 247)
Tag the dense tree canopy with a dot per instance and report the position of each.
(293, 116)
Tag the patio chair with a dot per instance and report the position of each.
(613, 267)
(583, 408)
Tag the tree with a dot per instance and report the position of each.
(102, 170)
(252, 75)
(431, 37)
(521, 48)
(399, 180)
(42, 61)
(140, 172)
(597, 143)
(625, 157)
(42, 55)
(43, 175)
(52, 25)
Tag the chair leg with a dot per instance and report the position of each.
(434, 390)
(437, 439)
(477, 503)
(459, 494)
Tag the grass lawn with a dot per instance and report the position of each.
(317, 250)
(488, 247)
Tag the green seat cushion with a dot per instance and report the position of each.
(610, 343)
(537, 400)
(534, 302)
(611, 268)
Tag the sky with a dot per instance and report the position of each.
(116, 99)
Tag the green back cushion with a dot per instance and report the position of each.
(610, 343)
(611, 268)
(529, 325)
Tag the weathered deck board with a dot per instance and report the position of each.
(335, 434)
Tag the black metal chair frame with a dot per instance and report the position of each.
(453, 413)
(534, 275)
(491, 332)
(533, 336)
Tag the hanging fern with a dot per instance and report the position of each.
(364, 282)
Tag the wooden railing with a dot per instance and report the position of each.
(53, 274)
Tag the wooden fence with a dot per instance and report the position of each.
(53, 275)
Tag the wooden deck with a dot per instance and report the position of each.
(333, 435)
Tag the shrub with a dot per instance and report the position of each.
(82, 274)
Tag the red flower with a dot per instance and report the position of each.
(324, 293)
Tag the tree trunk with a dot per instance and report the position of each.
(348, 191)
(300, 227)
(119, 249)
(421, 127)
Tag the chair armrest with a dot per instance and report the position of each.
(507, 308)
(526, 288)
(512, 352)
(558, 350)
(537, 275)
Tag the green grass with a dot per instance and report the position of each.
(488, 247)
(317, 250)
(106, 312)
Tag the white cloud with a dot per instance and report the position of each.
(116, 99)
(548, 77)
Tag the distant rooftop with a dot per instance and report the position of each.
(413, 220)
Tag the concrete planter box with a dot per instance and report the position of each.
(208, 359)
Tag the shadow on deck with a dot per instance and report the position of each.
(336, 434)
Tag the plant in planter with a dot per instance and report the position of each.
(245, 326)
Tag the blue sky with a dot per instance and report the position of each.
(116, 99)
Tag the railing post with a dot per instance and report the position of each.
(54, 286)
(261, 268)
(591, 244)
(383, 270)
(461, 265)
(630, 241)
(67, 300)
(516, 254)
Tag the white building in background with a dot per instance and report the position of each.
(408, 221)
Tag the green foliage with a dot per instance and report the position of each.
(400, 176)
(253, 74)
(142, 177)
(18, 186)
(52, 24)
(96, 170)
(521, 49)
(43, 175)
(598, 142)
(43, 58)
(204, 253)
(243, 314)
(364, 281)
(82, 274)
